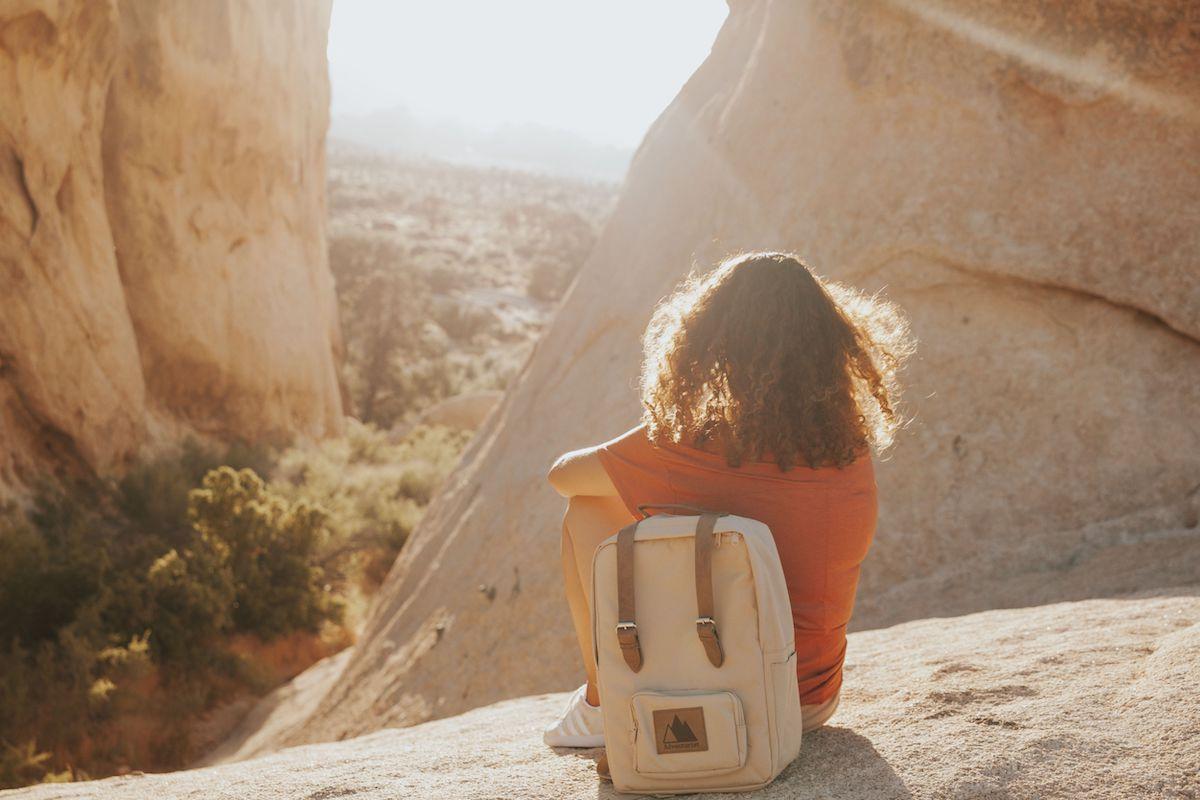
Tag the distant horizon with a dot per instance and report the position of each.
(601, 73)
(483, 127)
(528, 146)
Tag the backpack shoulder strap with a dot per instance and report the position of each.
(673, 507)
(706, 626)
(627, 633)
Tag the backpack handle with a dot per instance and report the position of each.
(706, 626)
(675, 507)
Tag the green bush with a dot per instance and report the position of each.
(383, 307)
(117, 603)
(268, 546)
(47, 572)
(153, 495)
(192, 596)
(99, 586)
(374, 490)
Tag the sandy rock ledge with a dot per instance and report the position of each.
(1094, 698)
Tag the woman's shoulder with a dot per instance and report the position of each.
(637, 444)
(634, 444)
(766, 466)
(635, 435)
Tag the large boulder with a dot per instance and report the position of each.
(1091, 699)
(1020, 178)
(71, 386)
(162, 218)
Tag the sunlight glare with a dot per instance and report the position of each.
(602, 70)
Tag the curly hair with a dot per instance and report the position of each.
(767, 361)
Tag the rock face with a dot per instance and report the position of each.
(464, 412)
(1020, 179)
(162, 213)
(1090, 699)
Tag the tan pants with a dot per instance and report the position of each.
(587, 523)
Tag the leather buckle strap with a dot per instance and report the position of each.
(706, 626)
(627, 635)
(706, 629)
(631, 646)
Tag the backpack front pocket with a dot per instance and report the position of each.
(693, 733)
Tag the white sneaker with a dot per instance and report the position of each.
(581, 724)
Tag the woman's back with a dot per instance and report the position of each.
(764, 370)
(822, 519)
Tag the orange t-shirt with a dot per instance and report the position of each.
(823, 521)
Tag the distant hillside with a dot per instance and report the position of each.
(528, 147)
(447, 273)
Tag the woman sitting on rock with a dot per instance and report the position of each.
(765, 389)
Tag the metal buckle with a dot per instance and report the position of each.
(630, 644)
(706, 629)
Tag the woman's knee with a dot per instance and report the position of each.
(586, 515)
(588, 521)
(582, 505)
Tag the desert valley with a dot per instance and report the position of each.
(276, 409)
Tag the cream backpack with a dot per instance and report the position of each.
(692, 628)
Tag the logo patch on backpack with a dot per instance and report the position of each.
(680, 730)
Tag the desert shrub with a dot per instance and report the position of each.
(47, 572)
(442, 279)
(268, 545)
(353, 256)
(461, 321)
(116, 604)
(425, 382)
(383, 306)
(23, 764)
(61, 688)
(153, 495)
(432, 208)
(192, 595)
(549, 279)
(464, 228)
(429, 453)
(382, 320)
(560, 242)
(374, 487)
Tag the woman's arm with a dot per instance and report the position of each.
(580, 472)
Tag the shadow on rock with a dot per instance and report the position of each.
(834, 763)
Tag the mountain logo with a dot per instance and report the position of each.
(680, 730)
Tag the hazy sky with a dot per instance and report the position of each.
(601, 68)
